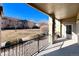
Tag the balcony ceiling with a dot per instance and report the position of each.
(61, 10)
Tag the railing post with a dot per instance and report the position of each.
(38, 45)
(0, 36)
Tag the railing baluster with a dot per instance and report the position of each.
(19, 50)
(22, 49)
(16, 50)
(8, 51)
(38, 45)
(1, 52)
(25, 49)
(12, 51)
(4, 51)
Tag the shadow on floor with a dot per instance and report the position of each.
(61, 40)
(72, 50)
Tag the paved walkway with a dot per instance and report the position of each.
(65, 47)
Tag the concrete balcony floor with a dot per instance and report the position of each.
(62, 47)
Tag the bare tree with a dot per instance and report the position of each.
(30, 24)
(43, 27)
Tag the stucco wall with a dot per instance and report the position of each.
(73, 23)
(77, 29)
(57, 26)
(50, 30)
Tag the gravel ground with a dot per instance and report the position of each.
(11, 35)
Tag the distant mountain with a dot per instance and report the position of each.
(12, 23)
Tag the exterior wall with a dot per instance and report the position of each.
(73, 23)
(50, 30)
(77, 29)
(57, 27)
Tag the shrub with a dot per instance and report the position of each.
(19, 41)
(8, 44)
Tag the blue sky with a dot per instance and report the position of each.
(23, 11)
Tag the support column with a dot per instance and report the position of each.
(77, 30)
(51, 28)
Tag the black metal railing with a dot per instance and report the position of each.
(25, 48)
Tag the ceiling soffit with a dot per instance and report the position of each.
(61, 10)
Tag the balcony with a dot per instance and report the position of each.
(62, 47)
(25, 48)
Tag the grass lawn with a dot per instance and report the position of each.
(11, 35)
